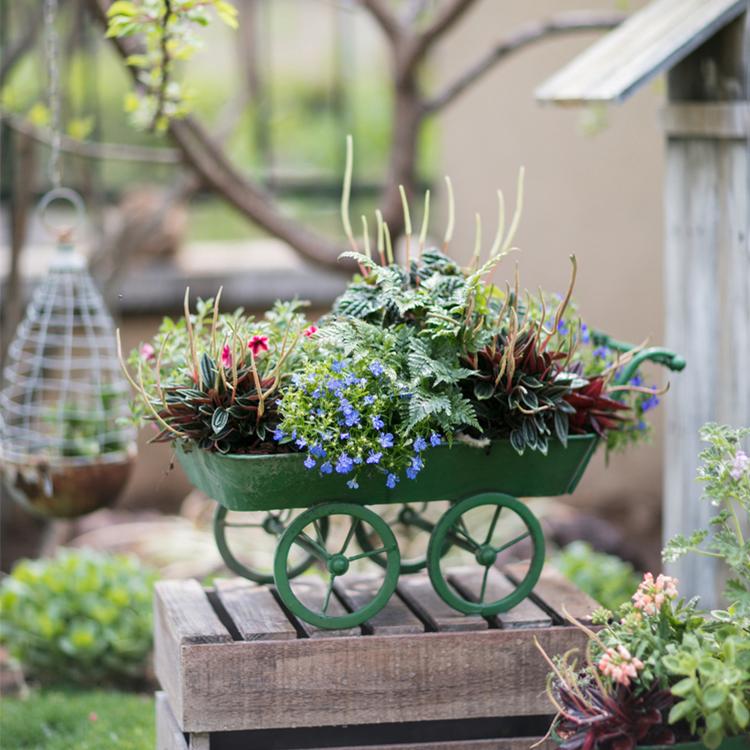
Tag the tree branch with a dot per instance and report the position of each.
(384, 18)
(566, 23)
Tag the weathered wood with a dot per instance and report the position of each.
(526, 614)
(557, 593)
(169, 736)
(369, 680)
(707, 120)
(502, 743)
(182, 616)
(311, 592)
(394, 619)
(417, 592)
(254, 611)
(650, 41)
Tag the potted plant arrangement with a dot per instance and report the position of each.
(661, 671)
(427, 381)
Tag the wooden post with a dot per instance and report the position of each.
(707, 274)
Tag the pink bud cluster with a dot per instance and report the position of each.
(620, 665)
(651, 594)
(740, 465)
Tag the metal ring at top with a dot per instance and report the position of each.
(65, 231)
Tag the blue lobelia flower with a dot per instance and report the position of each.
(369, 400)
(344, 436)
(350, 379)
(376, 368)
(562, 328)
(601, 352)
(326, 468)
(585, 335)
(317, 393)
(374, 457)
(318, 451)
(344, 464)
(650, 403)
(309, 462)
(337, 366)
(390, 481)
(300, 443)
(352, 418)
(420, 444)
(417, 463)
(411, 472)
(279, 434)
(352, 484)
(386, 441)
(377, 422)
(435, 440)
(636, 380)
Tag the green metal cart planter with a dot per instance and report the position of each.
(477, 483)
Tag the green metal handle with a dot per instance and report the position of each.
(657, 354)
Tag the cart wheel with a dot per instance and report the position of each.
(260, 530)
(473, 526)
(335, 559)
(412, 524)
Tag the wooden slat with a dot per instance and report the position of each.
(182, 617)
(649, 41)
(525, 614)
(311, 592)
(716, 120)
(169, 736)
(502, 743)
(417, 591)
(254, 610)
(368, 680)
(394, 619)
(556, 592)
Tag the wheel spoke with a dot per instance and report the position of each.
(513, 541)
(329, 591)
(307, 542)
(491, 530)
(349, 535)
(318, 533)
(484, 584)
(371, 553)
(461, 536)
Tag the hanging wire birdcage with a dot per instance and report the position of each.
(66, 446)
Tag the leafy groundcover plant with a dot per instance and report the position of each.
(414, 354)
(661, 671)
(82, 617)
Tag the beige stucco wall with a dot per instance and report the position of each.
(597, 196)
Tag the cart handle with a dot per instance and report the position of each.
(658, 354)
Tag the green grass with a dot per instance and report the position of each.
(84, 720)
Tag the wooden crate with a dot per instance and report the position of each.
(239, 671)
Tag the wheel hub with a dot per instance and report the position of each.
(338, 565)
(486, 555)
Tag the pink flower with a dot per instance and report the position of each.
(258, 344)
(311, 331)
(147, 352)
(226, 356)
(740, 464)
(619, 665)
(651, 595)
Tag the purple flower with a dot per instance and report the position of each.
(562, 328)
(420, 444)
(377, 422)
(344, 464)
(417, 463)
(376, 368)
(279, 434)
(601, 352)
(344, 436)
(374, 457)
(369, 400)
(318, 451)
(352, 484)
(636, 380)
(350, 379)
(390, 481)
(649, 403)
(352, 418)
(334, 384)
(337, 366)
(411, 472)
(386, 441)
(326, 468)
(435, 440)
(585, 335)
(309, 462)
(740, 465)
(300, 443)
(317, 393)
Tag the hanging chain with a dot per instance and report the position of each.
(52, 45)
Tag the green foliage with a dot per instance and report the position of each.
(78, 720)
(725, 471)
(712, 665)
(606, 578)
(167, 29)
(82, 617)
(215, 381)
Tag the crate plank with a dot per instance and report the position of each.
(500, 743)
(169, 736)
(525, 614)
(418, 593)
(254, 610)
(556, 592)
(420, 677)
(394, 619)
(183, 616)
(311, 592)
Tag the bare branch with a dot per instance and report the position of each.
(91, 150)
(566, 23)
(386, 20)
(444, 19)
(23, 42)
